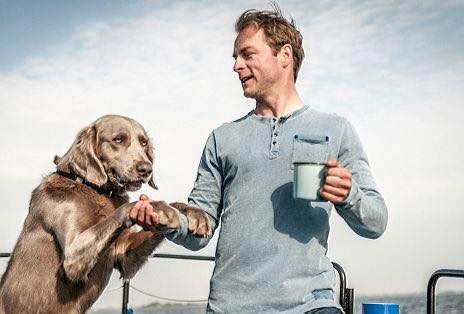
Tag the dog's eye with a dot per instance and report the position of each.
(118, 139)
(144, 142)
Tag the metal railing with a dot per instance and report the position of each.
(346, 297)
(126, 284)
(454, 273)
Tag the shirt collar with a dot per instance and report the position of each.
(291, 115)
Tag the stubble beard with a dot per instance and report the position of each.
(255, 93)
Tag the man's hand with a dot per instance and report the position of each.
(159, 216)
(337, 184)
(142, 213)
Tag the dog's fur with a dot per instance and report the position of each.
(78, 228)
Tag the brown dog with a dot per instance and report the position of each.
(77, 229)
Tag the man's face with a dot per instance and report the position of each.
(257, 66)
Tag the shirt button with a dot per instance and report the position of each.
(273, 143)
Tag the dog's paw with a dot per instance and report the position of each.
(121, 214)
(198, 220)
(168, 215)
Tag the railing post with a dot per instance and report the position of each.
(433, 282)
(346, 295)
(349, 302)
(125, 296)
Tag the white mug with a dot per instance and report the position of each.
(308, 179)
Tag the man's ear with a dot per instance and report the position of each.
(286, 55)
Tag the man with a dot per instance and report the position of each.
(271, 251)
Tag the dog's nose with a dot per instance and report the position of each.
(144, 168)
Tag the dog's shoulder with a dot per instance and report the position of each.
(59, 200)
(61, 188)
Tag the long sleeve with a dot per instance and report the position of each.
(206, 195)
(364, 209)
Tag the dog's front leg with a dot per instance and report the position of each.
(82, 252)
(198, 220)
(133, 249)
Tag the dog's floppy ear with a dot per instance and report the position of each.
(151, 157)
(81, 159)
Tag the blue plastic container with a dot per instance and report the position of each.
(380, 308)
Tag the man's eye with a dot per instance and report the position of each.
(118, 139)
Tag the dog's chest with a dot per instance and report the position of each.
(105, 205)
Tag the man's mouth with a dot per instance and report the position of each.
(245, 78)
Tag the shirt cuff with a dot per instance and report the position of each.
(353, 197)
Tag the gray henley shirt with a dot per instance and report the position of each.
(271, 250)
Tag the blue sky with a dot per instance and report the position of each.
(395, 69)
(31, 28)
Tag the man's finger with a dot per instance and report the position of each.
(332, 198)
(335, 191)
(338, 172)
(144, 197)
(141, 215)
(134, 211)
(148, 213)
(332, 162)
(338, 182)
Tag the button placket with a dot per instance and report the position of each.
(274, 149)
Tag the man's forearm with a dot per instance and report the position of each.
(365, 212)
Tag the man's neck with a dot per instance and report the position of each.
(279, 104)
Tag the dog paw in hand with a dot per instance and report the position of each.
(168, 215)
(198, 220)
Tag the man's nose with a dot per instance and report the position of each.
(144, 168)
(238, 65)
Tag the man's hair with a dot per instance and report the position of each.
(278, 30)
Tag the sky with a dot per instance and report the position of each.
(395, 69)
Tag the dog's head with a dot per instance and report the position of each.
(113, 152)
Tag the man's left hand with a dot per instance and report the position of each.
(337, 183)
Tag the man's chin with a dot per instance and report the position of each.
(249, 94)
